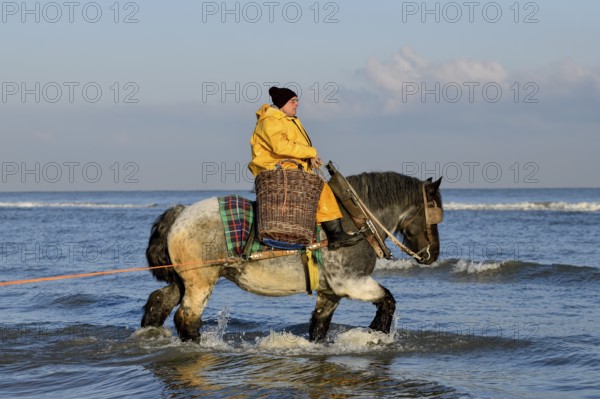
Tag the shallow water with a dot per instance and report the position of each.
(509, 311)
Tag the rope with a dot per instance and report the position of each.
(320, 172)
(390, 235)
(215, 262)
(116, 271)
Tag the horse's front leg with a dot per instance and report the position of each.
(321, 317)
(367, 289)
(386, 306)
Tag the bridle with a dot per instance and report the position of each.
(433, 215)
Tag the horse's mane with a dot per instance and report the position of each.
(381, 189)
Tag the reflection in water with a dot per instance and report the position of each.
(357, 363)
(267, 375)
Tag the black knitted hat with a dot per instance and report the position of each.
(281, 96)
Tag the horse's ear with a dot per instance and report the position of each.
(433, 186)
(436, 184)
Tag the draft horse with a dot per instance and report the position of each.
(183, 235)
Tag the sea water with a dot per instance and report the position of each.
(510, 310)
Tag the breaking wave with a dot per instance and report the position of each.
(556, 206)
(492, 271)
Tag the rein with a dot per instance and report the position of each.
(432, 215)
(366, 211)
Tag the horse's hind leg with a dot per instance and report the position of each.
(321, 317)
(198, 287)
(160, 304)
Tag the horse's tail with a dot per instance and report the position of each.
(157, 252)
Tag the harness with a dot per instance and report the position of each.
(433, 214)
(367, 222)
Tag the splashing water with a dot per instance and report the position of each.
(470, 267)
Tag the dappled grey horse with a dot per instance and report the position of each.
(188, 236)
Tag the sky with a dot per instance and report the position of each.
(162, 95)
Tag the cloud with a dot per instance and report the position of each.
(463, 70)
(363, 123)
(471, 91)
(564, 78)
(407, 66)
(404, 66)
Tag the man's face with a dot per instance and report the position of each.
(290, 107)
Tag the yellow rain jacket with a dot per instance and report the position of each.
(278, 136)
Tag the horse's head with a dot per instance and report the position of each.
(420, 228)
(406, 205)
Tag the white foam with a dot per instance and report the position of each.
(151, 338)
(401, 264)
(152, 333)
(395, 264)
(351, 341)
(283, 341)
(471, 267)
(361, 338)
(556, 206)
(354, 340)
(212, 338)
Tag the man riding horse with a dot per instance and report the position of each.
(279, 135)
(188, 237)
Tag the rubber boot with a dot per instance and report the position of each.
(337, 237)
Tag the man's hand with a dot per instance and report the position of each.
(315, 163)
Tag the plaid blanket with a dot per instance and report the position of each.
(237, 214)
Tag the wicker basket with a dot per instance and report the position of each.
(287, 204)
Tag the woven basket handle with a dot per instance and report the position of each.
(279, 165)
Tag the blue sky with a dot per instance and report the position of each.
(156, 95)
